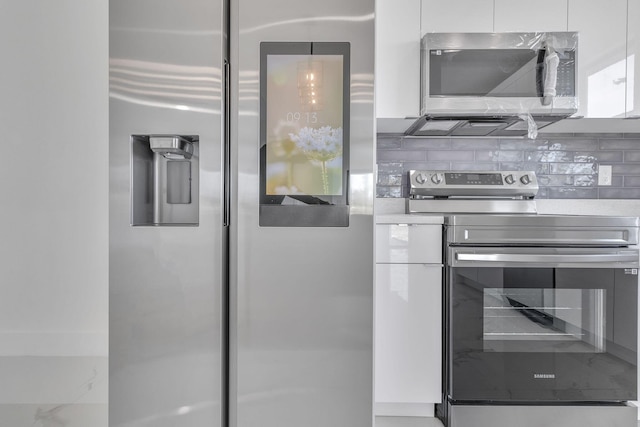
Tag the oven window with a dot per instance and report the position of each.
(544, 320)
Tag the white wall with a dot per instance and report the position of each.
(53, 212)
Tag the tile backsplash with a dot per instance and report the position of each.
(566, 165)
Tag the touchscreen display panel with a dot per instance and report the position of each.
(304, 125)
(304, 134)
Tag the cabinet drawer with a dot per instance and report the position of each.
(412, 243)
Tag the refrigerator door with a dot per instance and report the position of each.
(301, 297)
(166, 282)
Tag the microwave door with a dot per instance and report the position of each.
(484, 72)
(525, 81)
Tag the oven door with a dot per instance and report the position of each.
(541, 324)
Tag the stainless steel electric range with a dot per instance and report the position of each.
(540, 311)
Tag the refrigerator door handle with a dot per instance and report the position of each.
(348, 174)
(226, 196)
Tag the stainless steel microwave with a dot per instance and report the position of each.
(499, 74)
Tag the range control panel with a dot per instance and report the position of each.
(509, 184)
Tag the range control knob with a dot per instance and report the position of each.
(525, 179)
(436, 178)
(509, 179)
(420, 179)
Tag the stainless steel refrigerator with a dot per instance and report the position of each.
(241, 260)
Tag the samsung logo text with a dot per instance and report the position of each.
(544, 376)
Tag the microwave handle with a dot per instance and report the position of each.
(539, 70)
(550, 78)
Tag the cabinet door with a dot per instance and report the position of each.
(457, 16)
(397, 58)
(633, 60)
(530, 16)
(408, 325)
(601, 55)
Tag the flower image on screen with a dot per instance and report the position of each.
(304, 129)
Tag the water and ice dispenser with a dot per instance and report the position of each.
(164, 180)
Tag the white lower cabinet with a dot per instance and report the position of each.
(408, 333)
(408, 319)
(408, 243)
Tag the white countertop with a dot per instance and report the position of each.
(385, 209)
(410, 219)
(392, 211)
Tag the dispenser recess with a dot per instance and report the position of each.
(164, 180)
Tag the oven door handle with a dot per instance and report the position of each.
(618, 258)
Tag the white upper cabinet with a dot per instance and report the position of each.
(457, 16)
(602, 64)
(530, 16)
(633, 60)
(397, 58)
